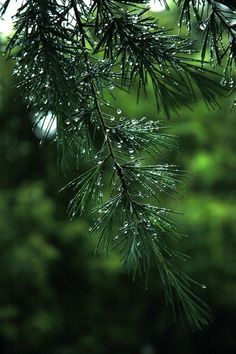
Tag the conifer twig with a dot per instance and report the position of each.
(69, 56)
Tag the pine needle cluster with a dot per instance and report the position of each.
(217, 21)
(69, 56)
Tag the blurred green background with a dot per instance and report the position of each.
(57, 298)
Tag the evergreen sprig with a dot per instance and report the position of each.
(69, 56)
(217, 20)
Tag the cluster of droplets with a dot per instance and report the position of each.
(227, 81)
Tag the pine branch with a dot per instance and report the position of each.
(45, 64)
(217, 21)
(69, 56)
(143, 50)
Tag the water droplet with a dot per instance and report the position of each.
(223, 81)
(203, 286)
(118, 111)
(202, 26)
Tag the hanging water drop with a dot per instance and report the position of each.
(202, 26)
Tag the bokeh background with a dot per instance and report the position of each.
(56, 297)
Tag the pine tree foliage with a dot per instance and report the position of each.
(217, 21)
(69, 56)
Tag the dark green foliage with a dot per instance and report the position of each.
(69, 56)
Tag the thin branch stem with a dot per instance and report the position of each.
(118, 167)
